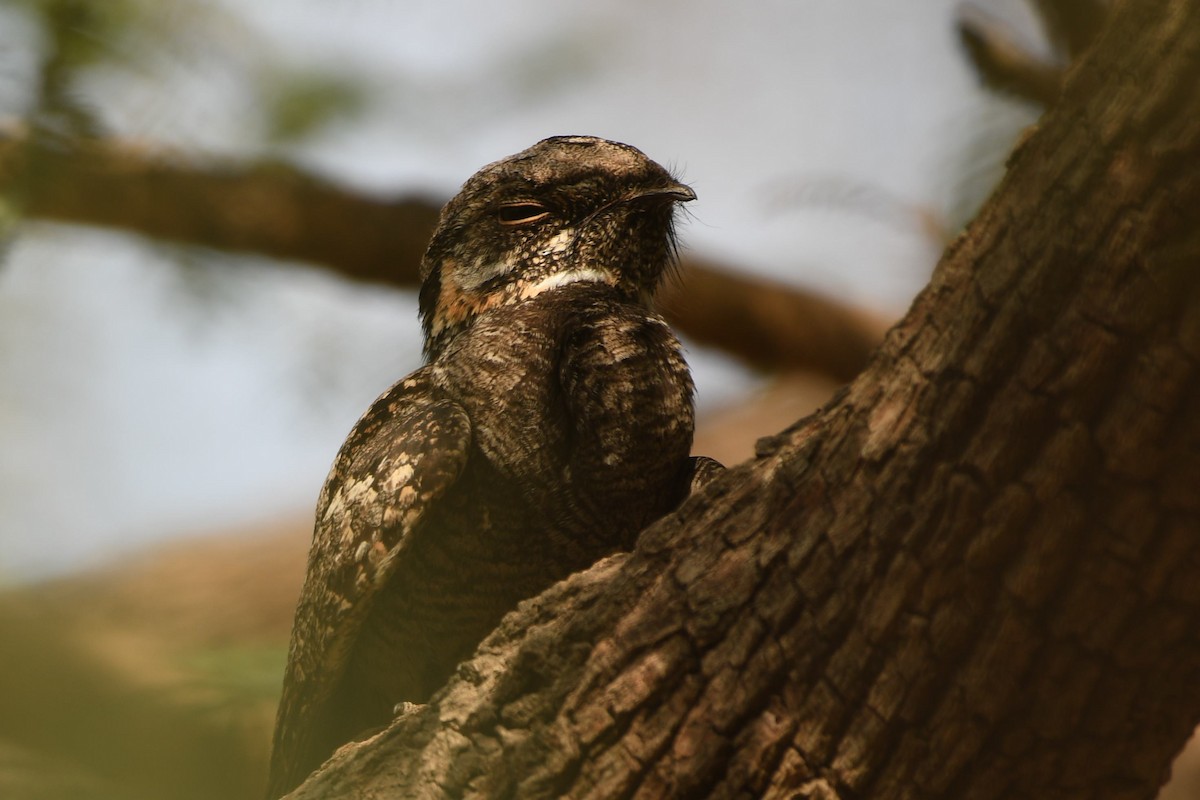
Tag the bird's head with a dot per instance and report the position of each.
(568, 209)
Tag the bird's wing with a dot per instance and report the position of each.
(403, 454)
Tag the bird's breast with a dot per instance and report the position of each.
(580, 403)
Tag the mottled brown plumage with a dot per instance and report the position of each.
(551, 423)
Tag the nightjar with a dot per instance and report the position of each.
(551, 423)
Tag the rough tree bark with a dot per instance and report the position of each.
(975, 574)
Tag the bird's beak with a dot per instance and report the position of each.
(677, 192)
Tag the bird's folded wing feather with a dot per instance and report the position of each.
(403, 454)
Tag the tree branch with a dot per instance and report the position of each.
(767, 324)
(1005, 66)
(280, 211)
(1072, 25)
(272, 209)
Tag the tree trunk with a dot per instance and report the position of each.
(975, 574)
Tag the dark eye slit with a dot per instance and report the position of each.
(521, 212)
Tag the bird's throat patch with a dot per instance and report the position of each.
(456, 305)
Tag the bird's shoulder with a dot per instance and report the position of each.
(403, 453)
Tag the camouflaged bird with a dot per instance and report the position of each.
(551, 423)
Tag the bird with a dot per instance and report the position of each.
(550, 423)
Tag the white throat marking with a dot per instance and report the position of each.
(557, 279)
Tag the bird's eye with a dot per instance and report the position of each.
(521, 213)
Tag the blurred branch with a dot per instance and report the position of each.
(272, 209)
(282, 212)
(1004, 65)
(767, 324)
(1072, 25)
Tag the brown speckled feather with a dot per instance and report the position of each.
(403, 454)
